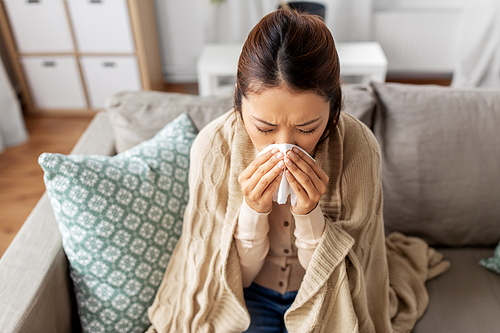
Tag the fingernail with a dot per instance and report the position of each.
(291, 154)
(279, 155)
(296, 150)
(288, 162)
(275, 150)
(280, 164)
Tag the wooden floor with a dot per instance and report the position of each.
(21, 178)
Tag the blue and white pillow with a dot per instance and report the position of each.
(493, 263)
(120, 218)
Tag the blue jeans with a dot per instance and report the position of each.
(267, 308)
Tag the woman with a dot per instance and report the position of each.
(246, 263)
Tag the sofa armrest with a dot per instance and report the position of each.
(98, 138)
(36, 292)
(34, 282)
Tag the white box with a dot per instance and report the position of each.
(39, 25)
(105, 76)
(101, 26)
(364, 59)
(55, 82)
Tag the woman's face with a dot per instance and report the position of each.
(278, 115)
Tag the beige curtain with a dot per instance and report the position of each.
(478, 45)
(12, 128)
(231, 21)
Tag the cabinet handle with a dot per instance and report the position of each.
(49, 64)
(95, 1)
(108, 64)
(33, 1)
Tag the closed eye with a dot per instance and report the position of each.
(306, 132)
(265, 131)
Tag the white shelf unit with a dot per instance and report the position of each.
(70, 55)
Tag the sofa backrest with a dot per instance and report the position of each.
(440, 150)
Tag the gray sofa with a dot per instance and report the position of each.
(441, 174)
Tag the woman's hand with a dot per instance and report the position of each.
(307, 180)
(261, 179)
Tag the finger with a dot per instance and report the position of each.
(313, 164)
(249, 178)
(310, 167)
(263, 170)
(273, 187)
(252, 168)
(302, 179)
(269, 178)
(304, 201)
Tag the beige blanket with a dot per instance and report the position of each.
(357, 280)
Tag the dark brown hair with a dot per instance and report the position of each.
(295, 49)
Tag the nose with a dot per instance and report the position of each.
(285, 136)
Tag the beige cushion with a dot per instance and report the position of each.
(359, 101)
(441, 162)
(138, 116)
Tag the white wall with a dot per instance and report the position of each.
(419, 4)
(185, 25)
(417, 41)
(181, 37)
(416, 35)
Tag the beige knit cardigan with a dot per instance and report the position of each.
(357, 281)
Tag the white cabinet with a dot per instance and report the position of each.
(39, 25)
(70, 55)
(101, 26)
(55, 82)
(107, 75)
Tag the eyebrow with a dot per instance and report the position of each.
(274, 125)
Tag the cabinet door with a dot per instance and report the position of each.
(39, 25)
(55, 82)
(105, 76)
(102, 26)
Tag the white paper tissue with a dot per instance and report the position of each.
(285, 189)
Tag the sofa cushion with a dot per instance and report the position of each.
(359, 101)
(465, 298)
(138, 115)
(441, 162)
(120, 218)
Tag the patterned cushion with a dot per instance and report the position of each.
(120, 218)
(493, 263)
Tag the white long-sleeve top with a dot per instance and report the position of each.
(275, 248)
